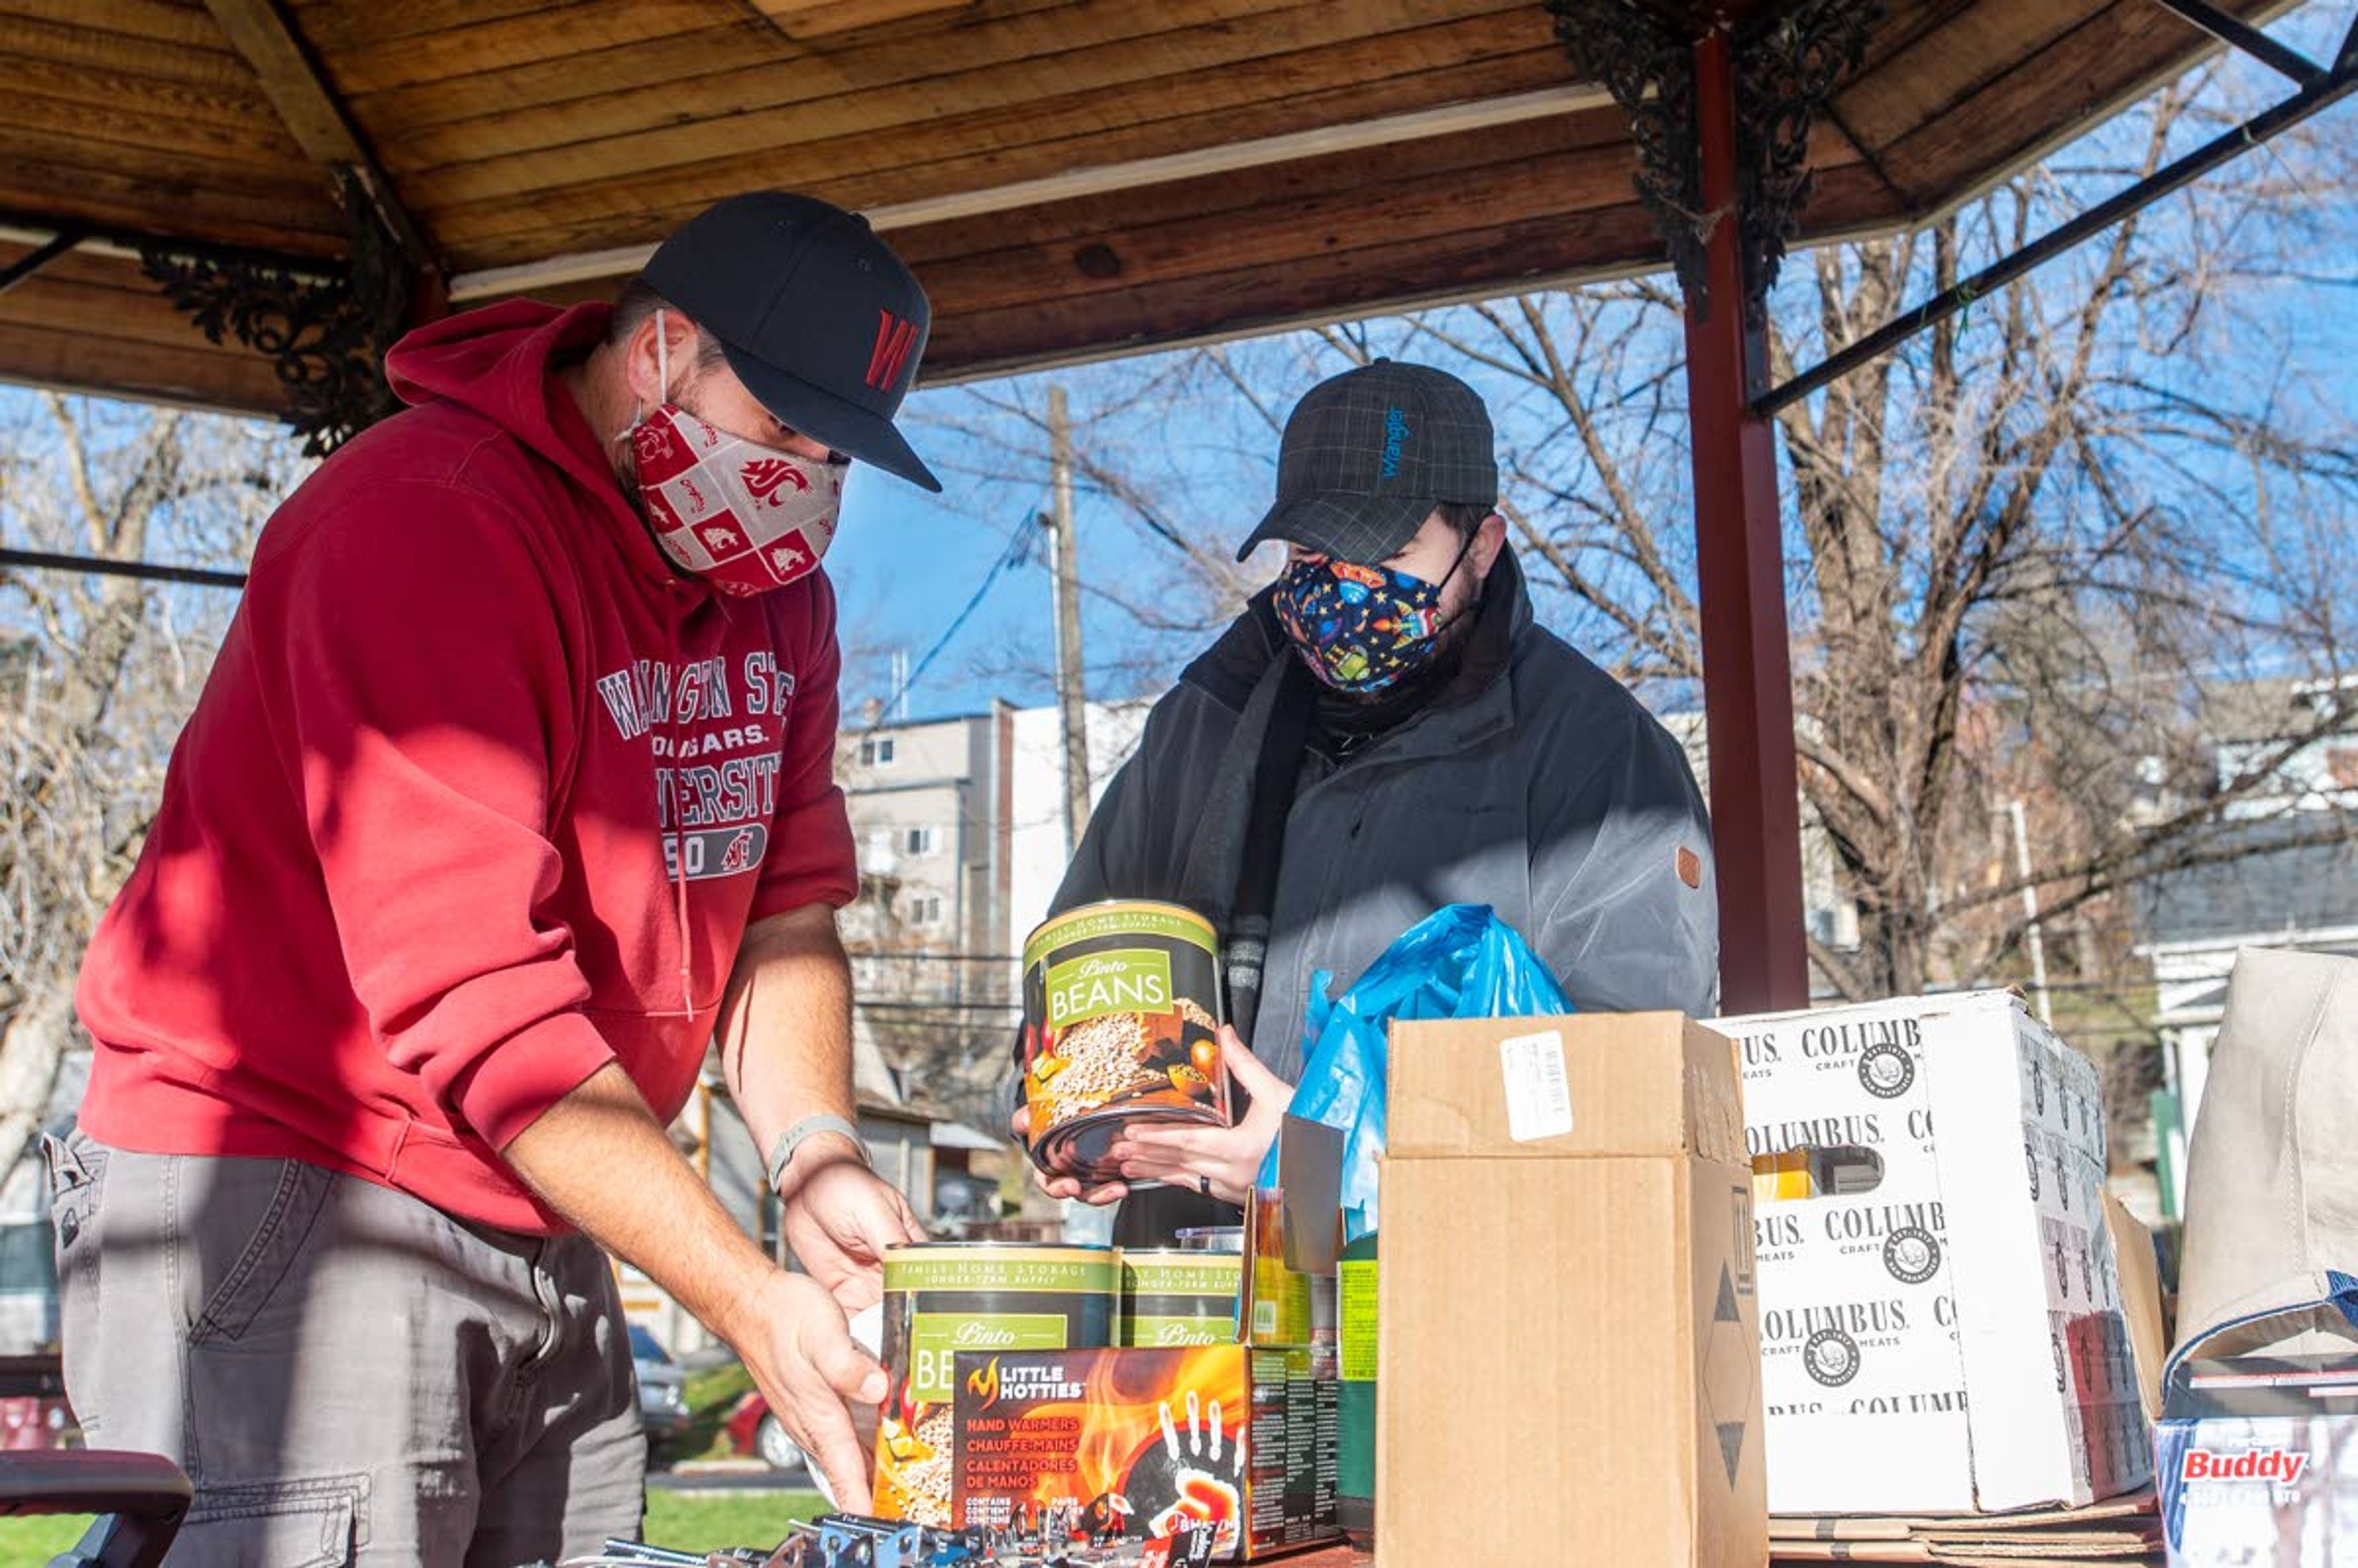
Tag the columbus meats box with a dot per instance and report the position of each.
(1941, 1319)
(1095, 1444)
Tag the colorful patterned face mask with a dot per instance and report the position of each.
(1360, 629)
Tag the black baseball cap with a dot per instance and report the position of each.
(1368, 454)
(817, 316)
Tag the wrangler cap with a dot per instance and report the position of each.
(1368, 454)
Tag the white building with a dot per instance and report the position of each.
(1038, 846)
(959, 827)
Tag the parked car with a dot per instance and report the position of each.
(754, 1430)
(663, 1388)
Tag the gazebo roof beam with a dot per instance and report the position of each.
(2329, 89)
(1094, 180)
(2237, 33)
(311, 111)
(25, 265)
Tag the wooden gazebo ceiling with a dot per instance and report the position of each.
(1068, 176)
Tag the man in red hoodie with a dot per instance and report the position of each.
(511, 789)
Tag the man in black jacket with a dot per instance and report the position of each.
(1386, 730)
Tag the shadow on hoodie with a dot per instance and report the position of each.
(480, 796)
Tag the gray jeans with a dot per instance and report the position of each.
(348, 1374)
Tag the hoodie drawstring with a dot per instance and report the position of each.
(678, 846)
(686, 939)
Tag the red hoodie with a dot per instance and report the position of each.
(481, 795)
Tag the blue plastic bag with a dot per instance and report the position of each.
(1462, 961)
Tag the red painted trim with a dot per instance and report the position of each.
(1740, 572)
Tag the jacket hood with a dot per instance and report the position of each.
(496, 362)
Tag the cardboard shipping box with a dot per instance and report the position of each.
(1569, 1366)
(2140, 1277)
(1942, 1331)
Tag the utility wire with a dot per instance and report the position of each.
(1018, 553)
(149, 571)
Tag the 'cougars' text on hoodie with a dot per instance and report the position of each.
(481, 796)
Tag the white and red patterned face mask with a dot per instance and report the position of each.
(745, 518)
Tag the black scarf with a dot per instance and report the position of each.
(1282, 712)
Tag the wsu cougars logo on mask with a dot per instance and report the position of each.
(764, 476)
(652, 443)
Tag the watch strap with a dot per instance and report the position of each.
(782, 1152)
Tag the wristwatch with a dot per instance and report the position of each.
(783, 1150)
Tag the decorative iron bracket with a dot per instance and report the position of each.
(325, 332)
(1626, 48)
(1789, 59)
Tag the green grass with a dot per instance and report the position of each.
(31, 1542)
(708, 1521)
(700, 1521)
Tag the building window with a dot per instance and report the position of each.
(921, 841)
(876, 750)
(925, 910)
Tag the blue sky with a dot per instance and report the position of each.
(906, 562)
(1204, 448)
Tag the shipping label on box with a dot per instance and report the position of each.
(1948, 1338)
(1143, 1444)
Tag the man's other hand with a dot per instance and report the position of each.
(795, 1342)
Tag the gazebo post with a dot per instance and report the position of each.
(1740, 584)
(1720, 125)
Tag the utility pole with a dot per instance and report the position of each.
(2033, 938)
(1072, 700)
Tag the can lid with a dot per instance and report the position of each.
(1184, 925)
(913, 1247)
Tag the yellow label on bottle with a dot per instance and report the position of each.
(1357, 1312)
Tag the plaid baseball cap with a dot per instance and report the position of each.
(1368, 454)
(817, 316)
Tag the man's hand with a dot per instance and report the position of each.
(1059, 1186)
(840, 1217)
(1229, 1157)
(793, 1341)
